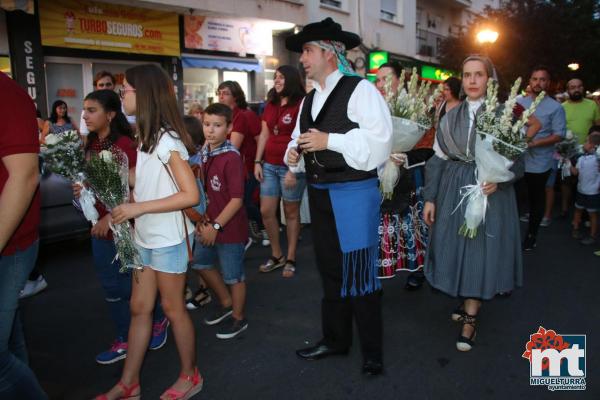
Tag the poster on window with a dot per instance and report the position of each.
(231, 35)
(89, 25)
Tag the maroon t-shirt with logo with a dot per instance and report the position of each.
(225, 178)
(281, 121)
(246, 122)
(18, 135)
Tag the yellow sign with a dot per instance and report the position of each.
(90, 25)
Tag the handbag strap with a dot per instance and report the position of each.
(185, 229)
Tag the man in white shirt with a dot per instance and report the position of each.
(343, 133)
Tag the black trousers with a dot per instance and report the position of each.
(337, 312)
(536, 193)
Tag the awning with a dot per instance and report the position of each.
(12, 5)
(193, 62)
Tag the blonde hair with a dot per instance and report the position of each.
(194, 108)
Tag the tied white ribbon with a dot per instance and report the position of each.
(87, 201)
(470, 193)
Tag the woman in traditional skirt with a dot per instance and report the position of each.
(402, 231)
(471, 269)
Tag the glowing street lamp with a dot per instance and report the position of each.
(573, 66)
(487, 36)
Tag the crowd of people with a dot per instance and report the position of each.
(329, 143)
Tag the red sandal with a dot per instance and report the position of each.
(127, 390)
(197, 381)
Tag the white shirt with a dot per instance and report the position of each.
(363, 148)
(589, 176)
(152, 182)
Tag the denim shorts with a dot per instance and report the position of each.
(229, 256)
(170, 259)
(272, 184)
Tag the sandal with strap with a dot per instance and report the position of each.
(199, 299)
(197, 382)
(458, 313)
(127, 392)
(272, 264)
(464, 343)
(289, 269)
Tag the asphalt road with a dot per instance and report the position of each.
(67, 324)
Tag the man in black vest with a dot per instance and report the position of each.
(342, 135)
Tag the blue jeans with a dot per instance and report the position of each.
(229, 257)
(17, 380)
(273, 183)
(116, 285)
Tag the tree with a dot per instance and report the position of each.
(554, 33)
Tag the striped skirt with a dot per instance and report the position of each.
(403, 236)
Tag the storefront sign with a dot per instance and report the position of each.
(26, 56)
(84, 24)
(436, 74)
(377, 59)
(231, 35)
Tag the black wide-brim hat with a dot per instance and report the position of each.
(327, 29)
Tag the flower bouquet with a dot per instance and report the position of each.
(565, 150)
(412, 116)
(499, 142)
(63, 155)
(108, 175)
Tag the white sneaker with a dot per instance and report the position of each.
(265, 238)
(524, 217)
(33, 287)
(248, 244)
(545, 222)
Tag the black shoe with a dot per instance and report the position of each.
(529, 243)
(218, 316)
(372, 367)
(319, 351)
(414, 282)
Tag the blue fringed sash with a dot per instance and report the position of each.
(356, 207)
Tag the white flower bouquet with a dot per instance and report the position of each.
(108, 175)
(63, 155)
(565, 150)
(499, 142)
(412, 115)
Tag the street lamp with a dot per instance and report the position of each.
(487, 36)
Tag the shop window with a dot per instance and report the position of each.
(65, 82)
(199, 86)
(241, 78)
(5, 65)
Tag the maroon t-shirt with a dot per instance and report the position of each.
(128, 147)
(18, 135)
(248, 124)
(281, 121)
(225, 178)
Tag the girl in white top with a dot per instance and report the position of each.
(160, 227)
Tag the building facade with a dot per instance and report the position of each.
(202, 43)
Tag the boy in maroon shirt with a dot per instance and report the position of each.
(222, 239)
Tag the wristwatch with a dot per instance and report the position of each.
(258, 162)
(217, 226)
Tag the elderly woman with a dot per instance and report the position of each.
(474, 269)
